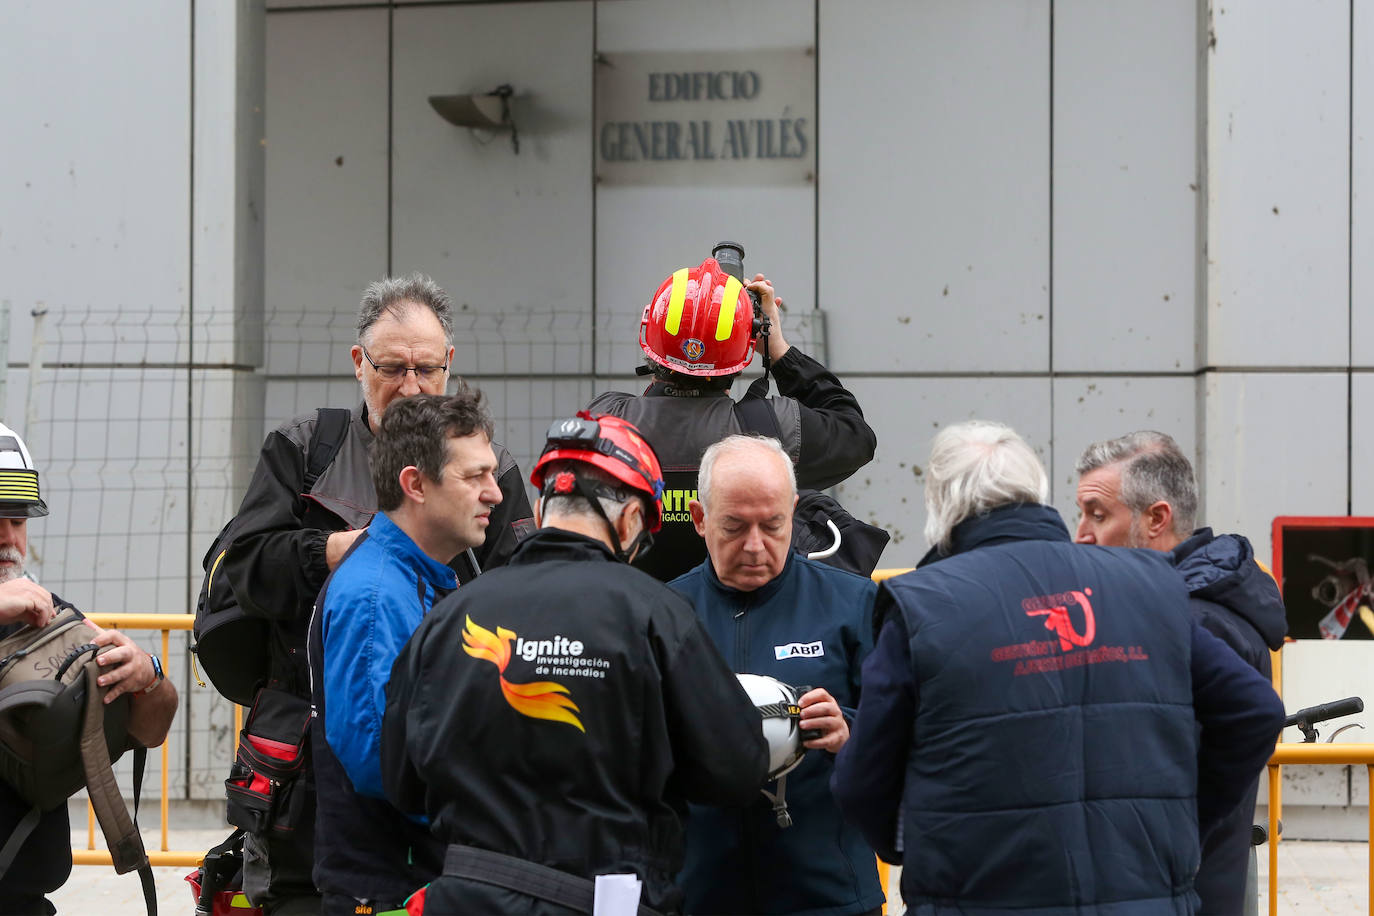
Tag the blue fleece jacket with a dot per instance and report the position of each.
(370, 606)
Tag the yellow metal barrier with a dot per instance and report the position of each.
(162, 855)
(1339, 754)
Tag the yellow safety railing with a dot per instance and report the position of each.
(1338, 754)
(162, 855)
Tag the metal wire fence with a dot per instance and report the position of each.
(145, 425)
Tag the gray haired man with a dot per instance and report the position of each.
(1139, 491)
(290, 533)
(1028, 740)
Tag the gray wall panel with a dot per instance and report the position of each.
(94, 196)
(326, 182)
(1274, 444)
(1125, 185)
(505, 234)
(1362, 443)
(1362, 191)
(934, 195)
(1278, 184)
(644, 233)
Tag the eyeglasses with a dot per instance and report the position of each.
(392, 371)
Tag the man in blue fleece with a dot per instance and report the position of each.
(435, 475)
(1044, 728)
(1139, 491)
(771, 611)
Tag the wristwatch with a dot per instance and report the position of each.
(158, 676)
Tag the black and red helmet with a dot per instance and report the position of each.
(610, 443)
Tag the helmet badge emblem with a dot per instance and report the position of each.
(693, 349)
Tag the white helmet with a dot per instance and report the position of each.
(778, 705)
(19, 496)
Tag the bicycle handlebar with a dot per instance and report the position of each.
(1323, 711)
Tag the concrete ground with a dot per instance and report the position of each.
(1318, 876)
(1314, 877)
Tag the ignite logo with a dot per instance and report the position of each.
(538, 699)
(1055, 609)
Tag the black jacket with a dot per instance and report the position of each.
(819, 424)
(276, 565)
(1240, 604)
(562, 709)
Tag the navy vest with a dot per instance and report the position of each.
(1055, 758)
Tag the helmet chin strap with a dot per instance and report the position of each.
(579, 488)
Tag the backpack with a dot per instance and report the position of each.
(232, 648)
(821, 528)
(57, 735)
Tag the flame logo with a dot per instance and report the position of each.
(538, 700)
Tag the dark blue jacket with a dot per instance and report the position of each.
(1239, 603)
(738, 859)
(1031, 709)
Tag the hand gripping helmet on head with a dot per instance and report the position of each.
(779, 706)
(700, 322)
(614, 446)
(19, 497)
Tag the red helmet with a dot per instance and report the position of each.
(700, 322)
(608, 443)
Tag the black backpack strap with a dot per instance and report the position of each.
(755, 413)
(331, 426)
(17, 838)
(145, 871)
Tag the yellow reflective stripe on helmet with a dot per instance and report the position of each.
(725, 322)
(18, 485)
(679, 295)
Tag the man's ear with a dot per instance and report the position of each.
(1159, 520)
(413, 483)
(539, 512)
(698, 516)
(357, 353)
(626, 526)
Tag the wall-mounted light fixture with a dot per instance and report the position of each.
(480, 111)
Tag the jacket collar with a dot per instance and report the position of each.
(760, 594)
(658, 388)
(360, 422)
(1222, 569)
(1017, 522)
(396, 542)
(559, 544)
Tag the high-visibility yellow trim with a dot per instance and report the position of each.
(240, 902)
(675, 301)
(16, 485)
(725, 322)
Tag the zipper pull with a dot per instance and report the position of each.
(739, 613)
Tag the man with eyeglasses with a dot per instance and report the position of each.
(290, 533)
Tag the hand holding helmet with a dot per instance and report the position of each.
(821, 717)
